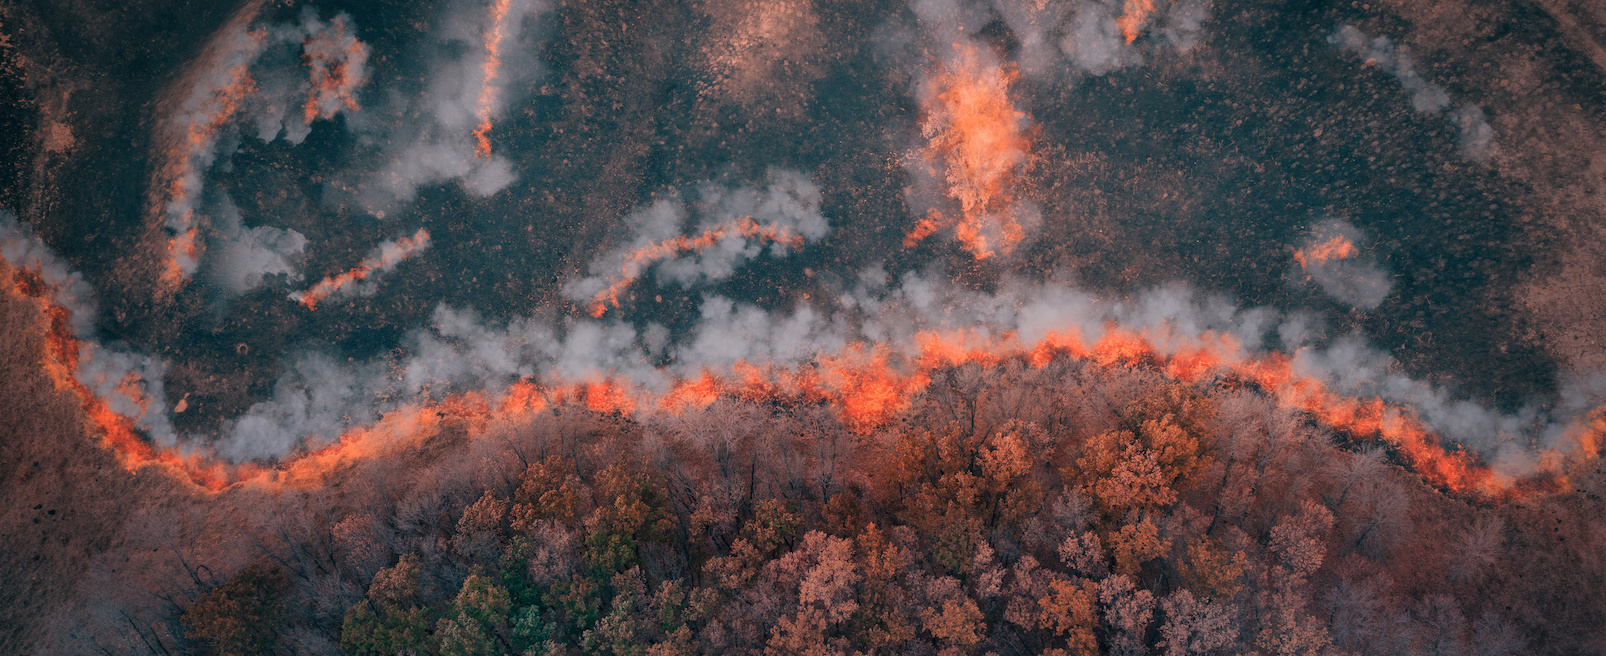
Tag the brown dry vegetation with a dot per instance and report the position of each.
(1014, 510)
(63, 495)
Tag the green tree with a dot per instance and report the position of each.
(391, 620)
(632, 511)
(476, 620)
(241, 616)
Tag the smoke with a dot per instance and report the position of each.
(129, 383)
(967, 175)
(869, 351)
(313, 403)
(260, 74)
(1330, 257)
(1476, 136)
(1096, 37)
(878, 325)
(314, 73)
(444, 133)
(875, 340)
(23, 250)
(733, 226)
(361, 280)
(246, 256)
(976, 153)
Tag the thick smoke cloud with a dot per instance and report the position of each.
(1476, 136)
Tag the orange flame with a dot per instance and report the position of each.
(1133, 16)
(59, 360)
(199, 136)
(335, 58)
(492, 68)
(867, 384)
(384, 260)
(975, 133)
(637, 260)
(1337, 248)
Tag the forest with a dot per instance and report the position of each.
(1068, 508)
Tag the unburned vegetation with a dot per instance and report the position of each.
(1067, 509)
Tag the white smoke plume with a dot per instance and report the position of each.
(246, 256)
(257, 74)
(289, 98)
(1476, 136)
(1096, 37)
(433, 135)
(783, 212)
(461, 352)
(23, 250)
(362, 280)
(1333, 257)
(131, 383)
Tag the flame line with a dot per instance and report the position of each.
(59, 360)
(384, 260)
(492, 68)
(639, 259)
(867, 384)
(218, 105)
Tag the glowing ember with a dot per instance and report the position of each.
(336, 59)
(1336, 248)
(975, 136)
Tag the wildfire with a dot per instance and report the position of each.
(59, 360)
(492, 68)
(386, 257)
(1133, 16)
(216, 101)
(336, 60)
(975, 135)
(639, 259)
(1336, 248)
(868, 384)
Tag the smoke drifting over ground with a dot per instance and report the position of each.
(288, 244)
(1476, 135)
